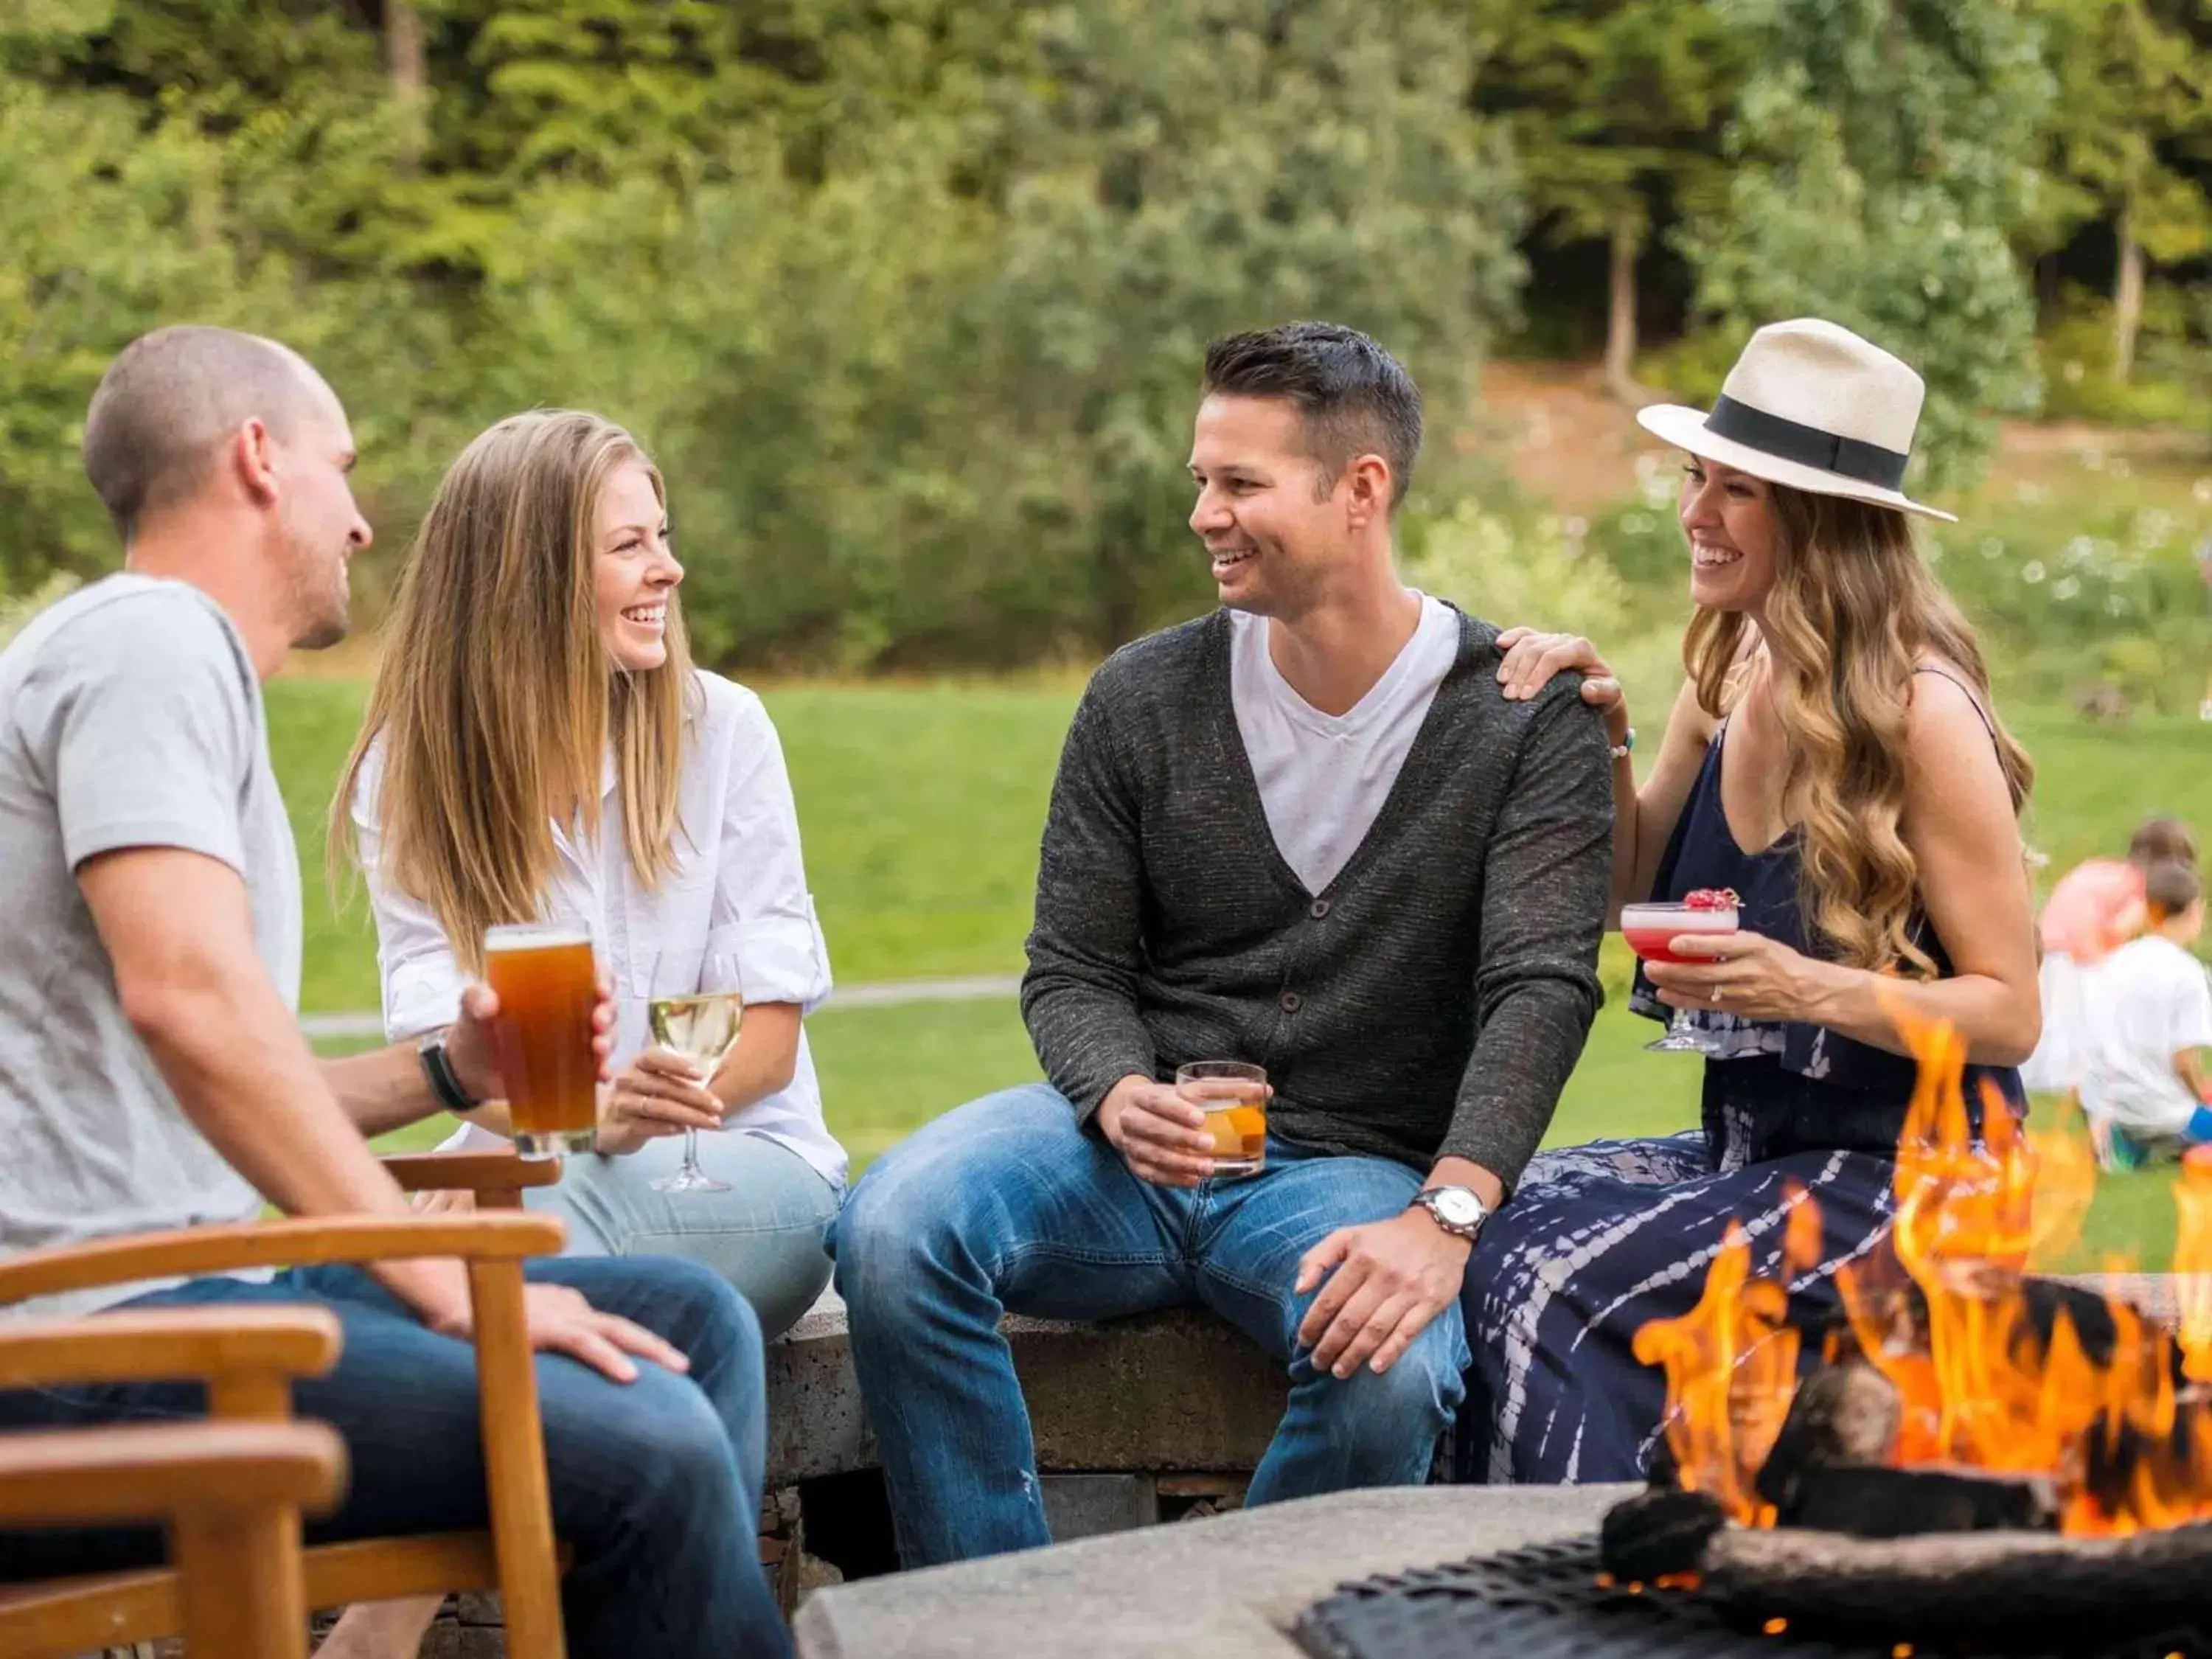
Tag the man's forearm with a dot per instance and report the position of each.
(383, 1090)
(1528, 1050)
(1086, 1040)
(242, 1074)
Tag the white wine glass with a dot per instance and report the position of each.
(700, 1023)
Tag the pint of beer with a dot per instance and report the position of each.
(544, 978)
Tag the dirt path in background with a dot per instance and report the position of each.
(1560, 433)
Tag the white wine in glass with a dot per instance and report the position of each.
(704, 1028)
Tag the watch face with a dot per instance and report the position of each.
(1457, 1206)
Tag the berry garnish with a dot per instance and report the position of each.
(1711, 898)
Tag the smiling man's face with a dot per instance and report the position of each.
(1271, 518)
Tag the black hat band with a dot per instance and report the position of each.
(1808, 446)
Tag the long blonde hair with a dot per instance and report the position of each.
(1853, 611)
(494, 699)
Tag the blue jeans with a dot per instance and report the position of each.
(764, 1235)
(656, 1484)
(1005, 1204)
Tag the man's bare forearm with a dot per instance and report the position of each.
(383, 1090)
(245, 1077)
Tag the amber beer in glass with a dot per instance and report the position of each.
(1233, 1094)
(547, 985)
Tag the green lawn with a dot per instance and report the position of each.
(921, 808)
(922, 805)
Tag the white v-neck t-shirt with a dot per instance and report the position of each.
(1323, 778)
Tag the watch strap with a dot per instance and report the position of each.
(445, 1085)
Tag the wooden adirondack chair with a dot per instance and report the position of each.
(230, 1493)
(249, 1379)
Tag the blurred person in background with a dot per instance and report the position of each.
(2095, 907)
(2148, 1008)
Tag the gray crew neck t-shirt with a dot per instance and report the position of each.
(130, 716)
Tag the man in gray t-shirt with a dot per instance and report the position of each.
(153, 1075)
(132, 719)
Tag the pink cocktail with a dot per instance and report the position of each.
(1651, 931)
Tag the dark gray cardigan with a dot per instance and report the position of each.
(1432, 999)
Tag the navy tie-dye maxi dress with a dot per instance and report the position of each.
(1599, 1240)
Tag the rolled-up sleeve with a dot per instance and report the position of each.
(414, 958)
(762, 912)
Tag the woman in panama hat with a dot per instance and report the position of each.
(1832, 758)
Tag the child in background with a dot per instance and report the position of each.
(2096, 907)
(2150, 1007)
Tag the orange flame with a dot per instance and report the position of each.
(1980, 1384)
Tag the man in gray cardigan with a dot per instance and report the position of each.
(1307, 830)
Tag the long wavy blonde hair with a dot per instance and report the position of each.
(494, 699)
(1854, 610)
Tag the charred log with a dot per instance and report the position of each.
(1864, 1502)
(1844, 1414)
(1658, 1533)
(1991, 1586)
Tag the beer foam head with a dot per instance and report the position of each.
(535, 935)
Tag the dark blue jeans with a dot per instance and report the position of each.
(1006, 1205)
(656, 1484)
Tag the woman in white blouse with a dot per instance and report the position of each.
(539, 747)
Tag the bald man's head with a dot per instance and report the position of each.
(172, 399)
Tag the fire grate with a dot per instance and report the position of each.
(1544, 1603)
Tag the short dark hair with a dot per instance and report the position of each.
(168, 401)
(2169, 889)
(1354, 398)
(2162, 841)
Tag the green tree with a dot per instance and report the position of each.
(1884, 153)
(2135, 106)
(1617, 109)
(907, 295)
(1186, 167)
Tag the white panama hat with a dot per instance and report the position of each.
(1812, 406)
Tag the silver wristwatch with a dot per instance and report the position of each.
(1454, 1209)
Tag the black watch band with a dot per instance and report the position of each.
(438, 1070)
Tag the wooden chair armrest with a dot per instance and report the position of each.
(298, 1243)
(201, 1344)
(149, 1472)
(488, 1175)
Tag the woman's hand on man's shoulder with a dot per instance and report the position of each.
(1533, 659)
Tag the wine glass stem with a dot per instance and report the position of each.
(691, 1153)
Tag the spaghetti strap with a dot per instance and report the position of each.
(1972, 697)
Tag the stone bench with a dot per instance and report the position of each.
(1173, 1391)
(1179, 1390)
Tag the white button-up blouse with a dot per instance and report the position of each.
(738, 885)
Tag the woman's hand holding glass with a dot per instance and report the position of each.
(1748, 975)
(659, 1093)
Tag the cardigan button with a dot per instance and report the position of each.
(1290, 1002)
(1318, 908)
